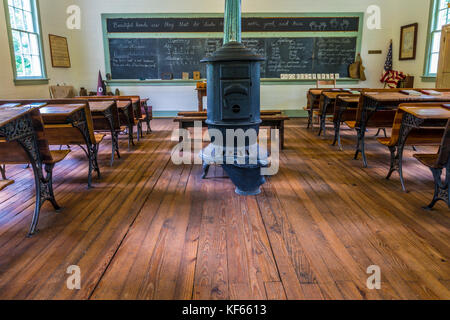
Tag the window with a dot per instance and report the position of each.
(25, 39)
(440, 16)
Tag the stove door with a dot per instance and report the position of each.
(236, 99)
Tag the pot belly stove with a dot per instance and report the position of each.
(233, 74)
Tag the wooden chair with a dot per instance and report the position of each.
(321, 83)
(436, 163)
(15, 153)
(62, 92)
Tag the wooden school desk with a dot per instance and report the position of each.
(71, 124)
(105, 116)
(345, 109)
(126, 114)
(372, 102)
(22, 141)
(433, 117)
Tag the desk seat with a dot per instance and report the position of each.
(428, 160)
(351, 124)
(99, 137)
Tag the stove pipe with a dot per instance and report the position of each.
(234, 73)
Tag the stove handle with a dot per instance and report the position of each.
(236, 88)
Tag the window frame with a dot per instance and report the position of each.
(433, 17)
(27, 80)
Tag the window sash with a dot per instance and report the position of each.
(434, 28)
(35, 55)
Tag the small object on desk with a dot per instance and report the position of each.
(185, 75)
(411, 92)
(201, 85)
(10, 105)
(197, 75)
(432, 92)
(355, 92)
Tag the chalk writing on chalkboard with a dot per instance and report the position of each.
(249, 24)
(149, 58)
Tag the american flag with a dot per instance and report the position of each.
(391, 78)
(388, 63)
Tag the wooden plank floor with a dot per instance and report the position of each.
(153, 230)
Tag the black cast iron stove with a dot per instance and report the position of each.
(233, 74)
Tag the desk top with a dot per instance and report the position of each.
(401, 97)
(349, 99)
(316, 92)
(61, 109)
(100, 106)
(428, 112)
(123, 104)
(8, 115)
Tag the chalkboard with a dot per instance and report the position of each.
(150, 57)
(249, 24)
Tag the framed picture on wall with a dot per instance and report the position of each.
(59, 51)
(408, 42)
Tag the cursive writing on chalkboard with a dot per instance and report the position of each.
(250, 24)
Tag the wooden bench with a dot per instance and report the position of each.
(273, 121)
(422, 136)
(23, 141)
(436, 163)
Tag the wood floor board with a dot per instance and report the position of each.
(151, 229)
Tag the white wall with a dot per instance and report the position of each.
(53, 21)
(87, 53)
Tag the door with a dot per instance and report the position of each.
(443, 75)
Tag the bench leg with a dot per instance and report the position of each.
(95, 155)
(337, 135)
(393, 167)
(379, 130)
(282, 135)
(3, 171)
(309, 119)
(440, 189)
